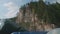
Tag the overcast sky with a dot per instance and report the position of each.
(9, 8)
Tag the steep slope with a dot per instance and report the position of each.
(38, 16)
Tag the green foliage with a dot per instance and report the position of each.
(11, 26)
(49, 13)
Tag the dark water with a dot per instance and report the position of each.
(30, 33)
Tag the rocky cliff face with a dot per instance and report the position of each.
(32, 23)
(29, 20)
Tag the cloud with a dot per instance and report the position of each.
(36, 0)
(58, 1)
(12, 9)
(44, 0)
(54, 1)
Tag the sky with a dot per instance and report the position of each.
(9, 8)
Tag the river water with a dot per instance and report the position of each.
(42, 32)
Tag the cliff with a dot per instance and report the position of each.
(37, 16)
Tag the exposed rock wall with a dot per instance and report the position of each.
(34, 23)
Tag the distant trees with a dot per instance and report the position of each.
(11, 26)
